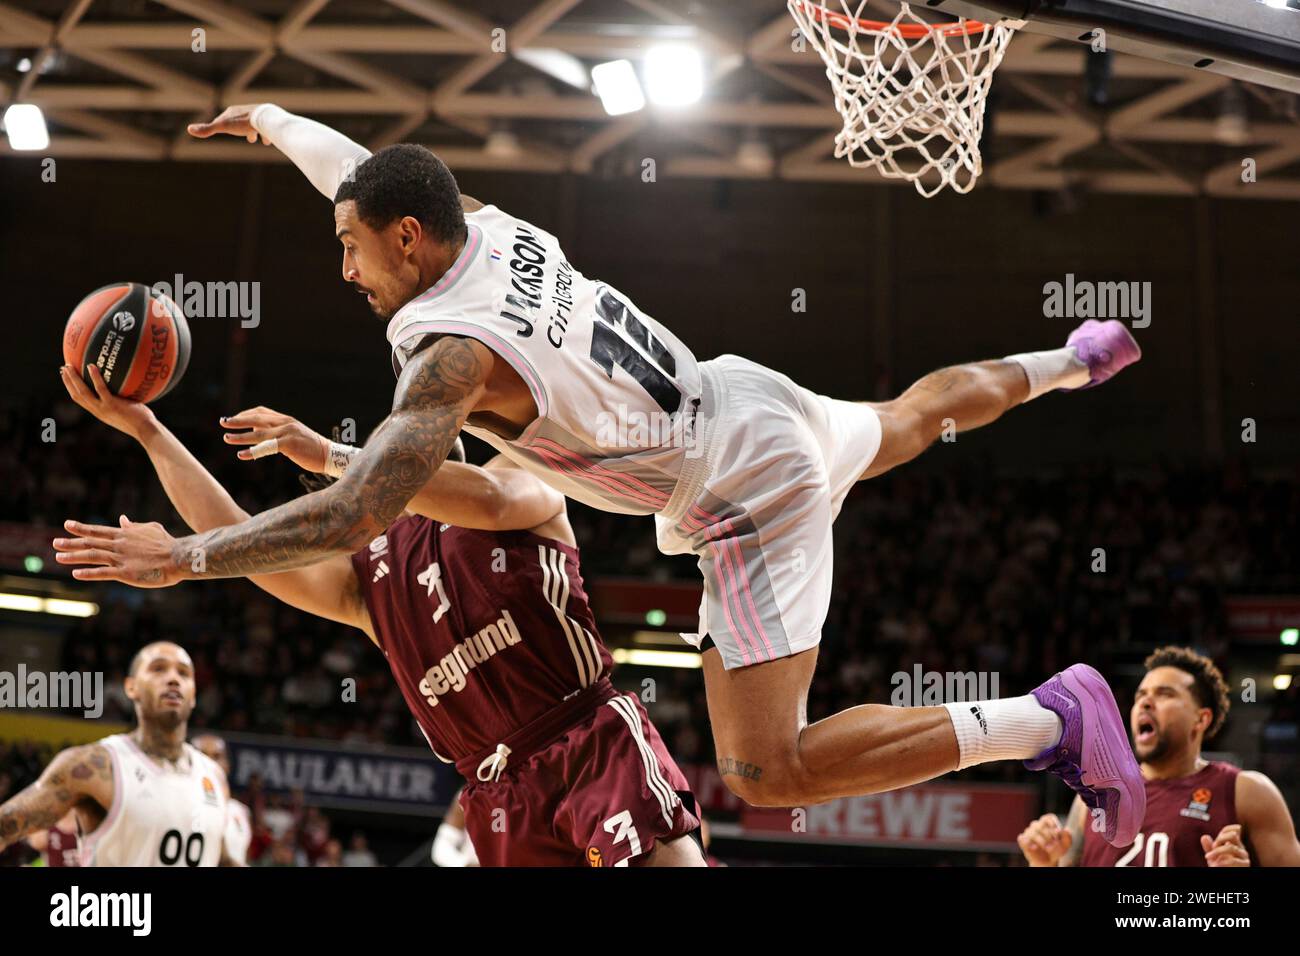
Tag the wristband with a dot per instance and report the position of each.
(338, 458)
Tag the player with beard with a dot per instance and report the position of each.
(1199, 812)
(143, 798)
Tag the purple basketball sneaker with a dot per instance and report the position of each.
(1093, 755)
(1105, 347)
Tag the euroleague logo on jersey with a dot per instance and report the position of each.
(594, 857)
(1198, 807)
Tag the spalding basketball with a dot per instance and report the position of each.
(138, 338)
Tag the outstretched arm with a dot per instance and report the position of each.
(324, 155)
(329, 589)
(74, 775)
(437, 390)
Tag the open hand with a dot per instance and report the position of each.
(233, 120)
(292, 438)
(137, 554)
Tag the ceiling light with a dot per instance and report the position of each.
(564, 67)
(674, 75)
(64, 607)
(642, 657)
(755, 156)
(25, 126)
(618, 88)
(502, 144)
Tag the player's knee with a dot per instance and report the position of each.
(772, 782)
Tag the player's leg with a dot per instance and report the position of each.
(623, 793)
(682, 851)
(767, 590)
(769, 755)
(964, 397)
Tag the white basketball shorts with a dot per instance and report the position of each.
(755, 503)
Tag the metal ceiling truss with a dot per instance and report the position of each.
(794, 116)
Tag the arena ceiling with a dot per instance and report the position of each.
(119, 79)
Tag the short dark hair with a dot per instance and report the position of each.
(406, 180)
(1208, 685)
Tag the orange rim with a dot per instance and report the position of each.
(909, 31)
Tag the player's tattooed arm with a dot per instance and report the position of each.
(74, 775)
(436, 393)
(437, 390)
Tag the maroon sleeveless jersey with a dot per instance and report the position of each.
(485, 631)
(1178, 812)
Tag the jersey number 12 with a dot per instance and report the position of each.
(619, 338)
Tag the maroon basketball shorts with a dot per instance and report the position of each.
(601, 793)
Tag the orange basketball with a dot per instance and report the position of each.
(138, 338)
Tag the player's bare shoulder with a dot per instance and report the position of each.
(85, 770)
(74, 777)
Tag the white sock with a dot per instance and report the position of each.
(1048, 371)
(1018, 728)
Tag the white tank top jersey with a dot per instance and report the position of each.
(616, 392)
(161, 815)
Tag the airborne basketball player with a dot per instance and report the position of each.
(492, 329)
(144, 798)
(485, 624)
(1199, 812)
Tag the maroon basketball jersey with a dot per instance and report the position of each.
(61, 848)
(485, 631)
(1178, 812)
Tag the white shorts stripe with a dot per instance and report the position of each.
(575, 629)
(550, 584)
(665, 794)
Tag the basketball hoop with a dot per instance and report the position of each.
(911, 93)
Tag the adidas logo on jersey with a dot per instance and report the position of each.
(381, 571)
(450, 673)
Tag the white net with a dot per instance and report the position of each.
(912, 93)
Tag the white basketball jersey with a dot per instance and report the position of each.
(616, 392)
(162, 815)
